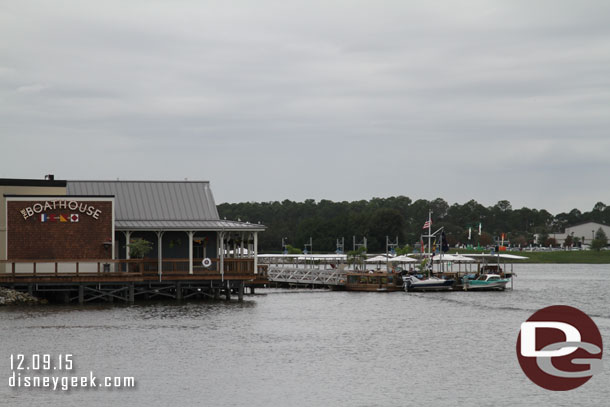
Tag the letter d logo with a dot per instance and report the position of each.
(528, 338)
(559, 348)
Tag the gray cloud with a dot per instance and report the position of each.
(341, 100)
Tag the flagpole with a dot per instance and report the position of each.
(429, 232)
(430, 238)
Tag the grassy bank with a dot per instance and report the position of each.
(584, 256)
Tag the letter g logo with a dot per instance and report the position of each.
(559, 348)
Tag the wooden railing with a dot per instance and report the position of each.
(11, 270)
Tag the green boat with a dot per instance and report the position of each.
(486, 282)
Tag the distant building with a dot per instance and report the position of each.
(585, 232)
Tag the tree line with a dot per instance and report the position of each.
(400, 217)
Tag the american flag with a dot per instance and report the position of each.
(427, 224)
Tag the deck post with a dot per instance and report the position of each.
(81, 294)
(240, 291)
(179, 291)
(217, 293)
(131, 293)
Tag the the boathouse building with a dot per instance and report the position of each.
(51, 221)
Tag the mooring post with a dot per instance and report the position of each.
(240, 291)
(179, 291)
(216, 293)
(81, 294)
(227, 291)
(252, 290)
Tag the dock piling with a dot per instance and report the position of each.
(240, 291)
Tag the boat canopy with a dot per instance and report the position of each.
(500, 255)
(454, 258)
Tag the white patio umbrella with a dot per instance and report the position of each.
(377, 259)
(404, 259)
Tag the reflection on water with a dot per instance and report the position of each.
(312, 347)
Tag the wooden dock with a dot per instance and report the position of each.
(86, 280)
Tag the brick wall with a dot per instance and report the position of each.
(55, 240)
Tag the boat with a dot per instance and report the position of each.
(486, 282)
(377, 281)
(412, 283)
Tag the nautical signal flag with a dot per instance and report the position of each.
(427, 224)
(74, 217)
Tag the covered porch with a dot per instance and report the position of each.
(229, 249)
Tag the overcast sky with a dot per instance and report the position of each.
(340, 100)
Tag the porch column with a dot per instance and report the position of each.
(255, 252)
(127, 234)
(191, 234)
(241, 251)
(160, 253)
(222, 255)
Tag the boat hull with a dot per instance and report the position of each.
(370, 288)
(428, 285)
(485, 286)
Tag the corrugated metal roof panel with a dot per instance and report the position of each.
(186, 225)
(154, 200)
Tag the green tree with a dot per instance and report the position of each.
(138, 248)
(293, 250)
(400, 251)
(485, 239)
(600, 241)
(357, 256)
(542, 238)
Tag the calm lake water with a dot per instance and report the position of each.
(312, 347)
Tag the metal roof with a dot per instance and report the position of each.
(186, 225)
(153, 200)
(154, 205)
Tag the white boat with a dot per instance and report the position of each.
(412, 283)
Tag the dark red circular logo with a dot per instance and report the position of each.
(559, 348)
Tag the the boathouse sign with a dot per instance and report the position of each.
(40, 207)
